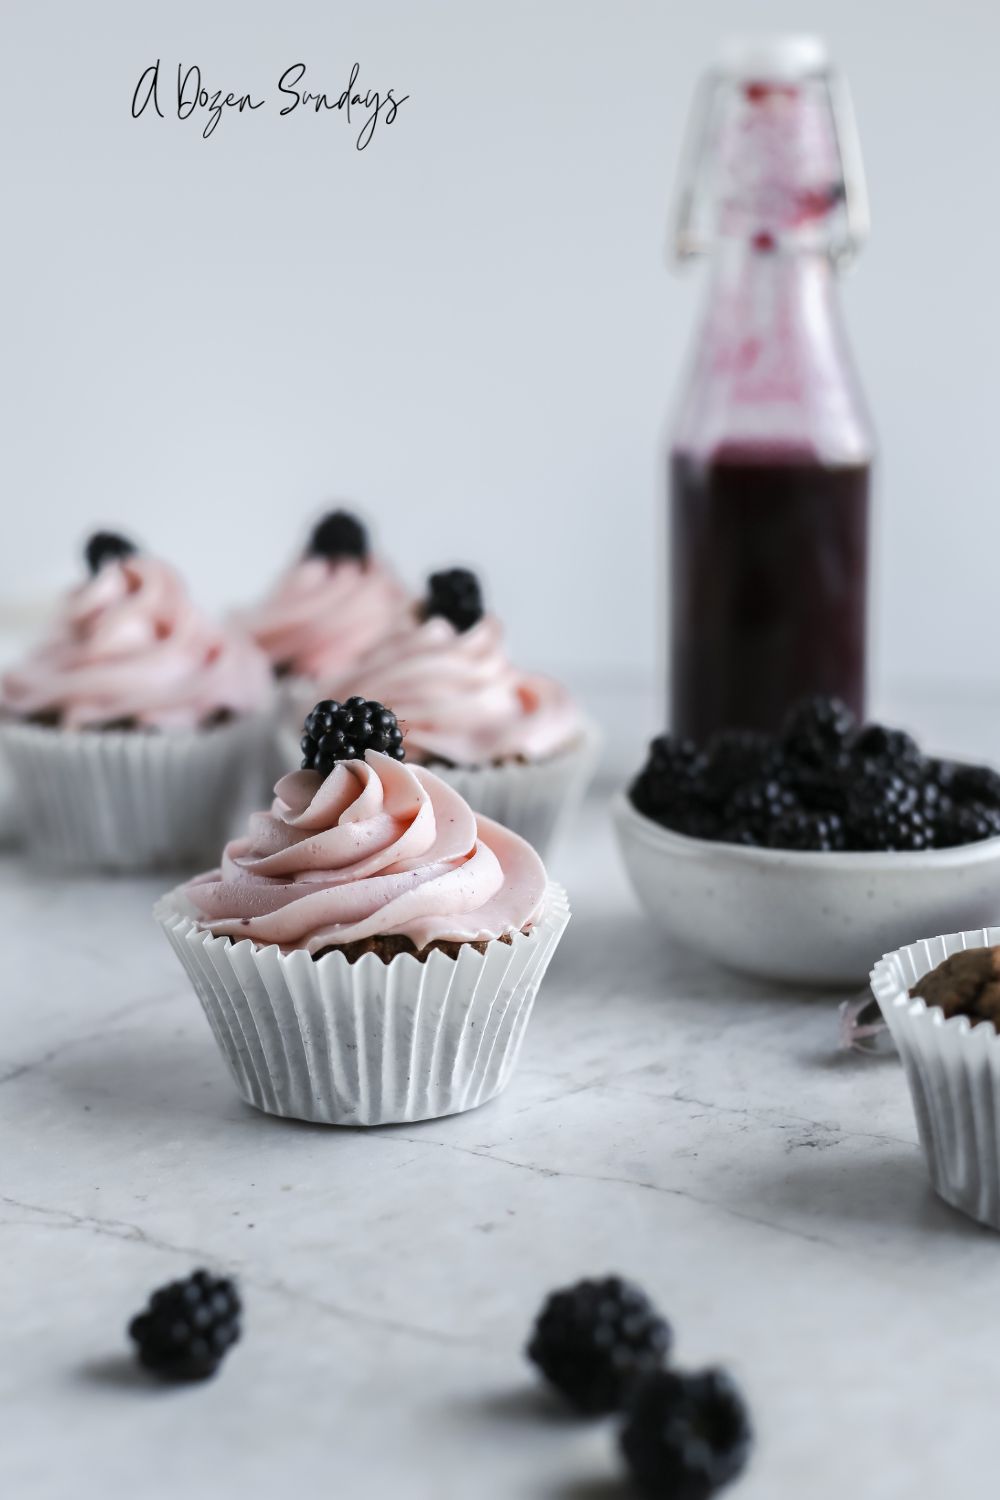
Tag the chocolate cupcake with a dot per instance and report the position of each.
(370, 950)
(941, 1001)
(514, 743)
(328, 608)
(129, 728)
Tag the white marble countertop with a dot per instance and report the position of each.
(669, 1121)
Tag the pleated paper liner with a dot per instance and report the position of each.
(121, 800)
(953, 1072)
(366, 1043)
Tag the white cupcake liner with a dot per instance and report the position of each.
(129, 800)
(537, 799)
(368, 1043)
(953, 1072)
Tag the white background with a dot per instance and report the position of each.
(466, 329)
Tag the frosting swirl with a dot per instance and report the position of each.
(323, 614)
(129, 644)
(376, 849)
(458, 698)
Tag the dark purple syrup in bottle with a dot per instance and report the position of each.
(769, 560)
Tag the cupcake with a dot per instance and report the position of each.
(514, 744)
(941, 1001)
(370, 950)
(329, 607)
(129, 729)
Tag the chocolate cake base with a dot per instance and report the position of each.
(389, 947)
(51, 718)
(966, 984)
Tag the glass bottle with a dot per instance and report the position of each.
(772, 447)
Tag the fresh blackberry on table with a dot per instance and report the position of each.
(456, 595)
(339, 534)
(686, 1435)
(188, 1327)
(801, 829)
(753, 810)
(734, 757)
(594, 1341)
(344, 731)
(107, 546)
(891, 749)
(816, 731)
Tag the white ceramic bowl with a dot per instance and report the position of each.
(808, 918)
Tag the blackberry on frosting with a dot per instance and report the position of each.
(339, 534)
(107, 546)
(456, 595)
(345, 731)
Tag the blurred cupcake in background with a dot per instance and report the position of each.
(130, 727)
(330, 606)
(514, 744)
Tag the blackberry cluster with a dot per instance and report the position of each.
(188, 1327)
(338, 534)
(686, 1435)
(594, 1341)
(823, 783)
(604, 1346)
(456, 595)
(344, 731)
(106, 546)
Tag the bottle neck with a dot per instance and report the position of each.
(772, 362)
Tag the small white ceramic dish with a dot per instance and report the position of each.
(807, 918)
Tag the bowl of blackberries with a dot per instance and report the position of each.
(806, 855)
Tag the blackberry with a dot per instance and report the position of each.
(816, 730)
(669, 776)
(802, 829)
(892, 749)
(737, 756)
(188, 1327)
(456, 595)
(344, 731)
(595, 1340)
(886, 812)
(338, 534)
(965, 824)
(825, 789)
(971, 784)
(686, 1435)
(751, 812)
(107, 546)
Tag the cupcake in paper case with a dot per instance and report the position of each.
(513, 743)
(369, 951)
(329, 607)
(941, 1001)
(129, 731)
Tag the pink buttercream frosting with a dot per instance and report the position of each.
(379, 848)
(130, 644)
(322, 615)
(458, 698)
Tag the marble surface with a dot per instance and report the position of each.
(696, 1131)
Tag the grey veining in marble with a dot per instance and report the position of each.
(692, 1129)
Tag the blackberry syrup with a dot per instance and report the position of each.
(769, 561)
